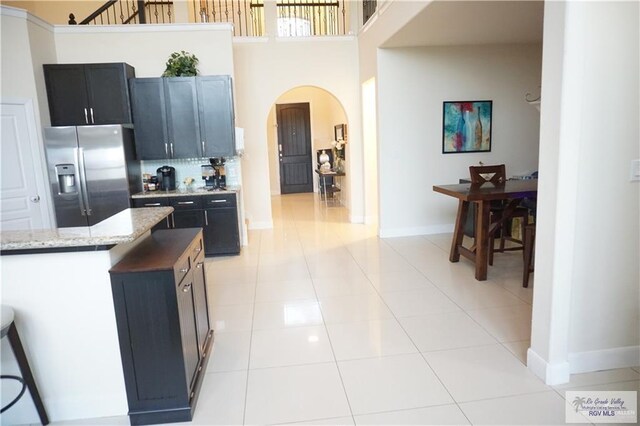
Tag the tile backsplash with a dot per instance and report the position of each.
(191, 168)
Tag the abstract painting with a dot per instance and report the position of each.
(466, 126)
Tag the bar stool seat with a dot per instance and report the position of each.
(9, 330)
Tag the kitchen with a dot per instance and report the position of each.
(74, 255)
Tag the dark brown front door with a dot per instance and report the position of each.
(294, 145)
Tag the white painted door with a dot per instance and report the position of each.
(23, 198)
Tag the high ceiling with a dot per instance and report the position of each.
(452, 22)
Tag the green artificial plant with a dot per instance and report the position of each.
(181, 64)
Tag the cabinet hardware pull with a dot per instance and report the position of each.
(171, 145)
(168, 223)
(86, 117)
(185, 202)
(206, 221)
(202, 148)
(198, 250)
(218, 201)
(92, 120)
(173, 220)
(199, 265)
(183, 270)
(187, 288)
(152, 204)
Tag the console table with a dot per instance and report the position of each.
(329, 182)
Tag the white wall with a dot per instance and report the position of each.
(267, 69)
(27, 43)
(325, 112)
(412, 85)
(147, 47)
(592, 272)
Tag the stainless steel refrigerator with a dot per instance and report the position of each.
(92, 172)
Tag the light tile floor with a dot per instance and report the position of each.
(318, 321)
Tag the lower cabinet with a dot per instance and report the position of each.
(160, 299)
(221, 233)
(216, 214)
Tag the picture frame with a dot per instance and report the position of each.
(466, 126)
(340, 132)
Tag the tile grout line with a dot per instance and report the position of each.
(326, 330)
(411, 340)
(253, 313)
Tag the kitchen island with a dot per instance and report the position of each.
(58, 283)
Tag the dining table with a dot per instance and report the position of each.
(512, 192)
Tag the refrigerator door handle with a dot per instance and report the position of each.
(83, 180)
(76, 155)
(86, 117)
(92, 120)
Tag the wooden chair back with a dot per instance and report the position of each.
(494, 174)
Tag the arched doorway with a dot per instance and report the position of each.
(325, 112)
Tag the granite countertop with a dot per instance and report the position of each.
(123, 227)
(185, 193)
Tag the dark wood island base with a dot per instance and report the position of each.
(160, 298)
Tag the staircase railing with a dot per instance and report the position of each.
(129, 12)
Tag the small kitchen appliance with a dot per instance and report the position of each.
(167, 178)
(214, 175)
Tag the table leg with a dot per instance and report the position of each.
(324, 184)
(458, 232)
(482, 239)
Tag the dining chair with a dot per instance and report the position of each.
(497, 174)
(529, 242)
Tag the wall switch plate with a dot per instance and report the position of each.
(635, 171)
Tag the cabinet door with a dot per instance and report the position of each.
(188, 219)
(201, 304)
(67, 94)
(189, 333)
(182, 116)
(149, 118)
(215, 108)
(107, 89)
(221, 234)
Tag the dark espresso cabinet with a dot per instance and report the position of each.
(183, 117)
(160, 298)
(216, 214)
(221, 233)
(87, 94)
(215, 109)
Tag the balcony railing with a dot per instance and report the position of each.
(247, 16)
(295, 17)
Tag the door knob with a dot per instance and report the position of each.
(35, 199)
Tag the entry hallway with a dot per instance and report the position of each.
(321, 322)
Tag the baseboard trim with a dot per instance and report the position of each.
(418, 230)
(604, 359)
(552, 374)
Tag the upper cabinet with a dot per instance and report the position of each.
(183, 117)
(215, 108)
(85, 94)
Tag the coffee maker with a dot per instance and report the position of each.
(214, 175)
(167, 178)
